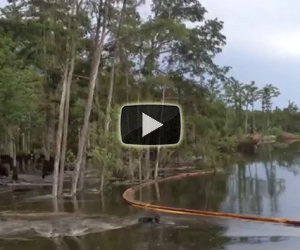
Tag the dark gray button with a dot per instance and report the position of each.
(150, 124)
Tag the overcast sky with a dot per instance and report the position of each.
(263, 42)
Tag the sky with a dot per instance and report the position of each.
(263, 42)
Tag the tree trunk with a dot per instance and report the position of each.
(83, 166)
(102, 179)
(111, 83)
(110, 93)
(66, 121)
(13, 155)
(84, 130)
(107, 118)
(92, 83)
(157, 163)
(130, 165)
(158, 148)
(253, 120)
(24, 149)
(47, 141)
(147, 164)
(109, 98)
(246, 121)
(29, 135)
(82, 169)
(130, 161)
(140, 166)
(156, 185)
(60, 131)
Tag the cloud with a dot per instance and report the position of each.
(263, 42)
(2, 3)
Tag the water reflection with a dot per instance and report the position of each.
(265, 185)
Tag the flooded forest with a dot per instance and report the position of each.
(66, 70)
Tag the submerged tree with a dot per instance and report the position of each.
(253, 93)
(112, 56)
(20, 90)
(267, 93)
(97, 51)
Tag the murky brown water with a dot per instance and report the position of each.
(267, 185)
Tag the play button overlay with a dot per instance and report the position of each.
(150, 124)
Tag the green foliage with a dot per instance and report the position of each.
(227, 144)
(167, 57)
(274, 131)
(106, 150)
(267, 93)
(70, 157)
(109, 156)
(20, 86)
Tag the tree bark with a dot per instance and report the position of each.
(92, 83)
(140, 166)
(131, 170)
(107, 118)
(82, 169)
(83, 165)
(110, 93)
(102, 179)
(66, 121)
(253, 119)
(157, 163)
(112, 75)
(147, 164)
(109, 98)
(158, 148)
(13, 155)
(47, 141)
(246, 121)
(65, 127)
(60, 131)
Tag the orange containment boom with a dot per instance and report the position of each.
(129, 197)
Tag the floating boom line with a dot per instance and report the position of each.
(129, 197)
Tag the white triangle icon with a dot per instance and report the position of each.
(149, 124)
